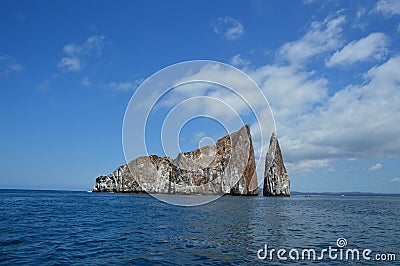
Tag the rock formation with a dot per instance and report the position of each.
(276, 179)
(227, 167)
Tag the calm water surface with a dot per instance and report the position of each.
(53, 227)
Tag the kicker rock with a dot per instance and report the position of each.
(151, 172)
(276, 179)
(227, 167)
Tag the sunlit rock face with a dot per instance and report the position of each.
(227, 167)
(276, 179)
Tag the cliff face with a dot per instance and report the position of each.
(276, 179)
(227, 167)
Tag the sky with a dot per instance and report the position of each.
(329, 69)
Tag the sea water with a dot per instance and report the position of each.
(58, 227)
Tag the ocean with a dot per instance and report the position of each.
(81, 228)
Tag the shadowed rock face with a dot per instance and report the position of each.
(227, 167)
(276, 179)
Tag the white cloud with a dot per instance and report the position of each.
(395, 180)
(124, 85)
(8, 65)
(360, 12)
(307, 2)
(14, 67)
(388, 7)
(230, 28)
(290, 91)
(357, 121)
(306, 166)
(321, 37)
(121, 86)
(375, 167)
(72, 50)
(224, 75)
(70, 63)
(85, 82)
(92, 47)
(42, 87)
(314, 129)
(372, 47)
(238, 61)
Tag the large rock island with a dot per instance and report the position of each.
(276, 179)
(227, 167)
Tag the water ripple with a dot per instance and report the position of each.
(45, 227)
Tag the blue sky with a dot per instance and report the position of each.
(330, 71)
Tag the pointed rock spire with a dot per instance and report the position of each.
(276, 179)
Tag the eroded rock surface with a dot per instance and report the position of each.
(276, 179)
(227, 167)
